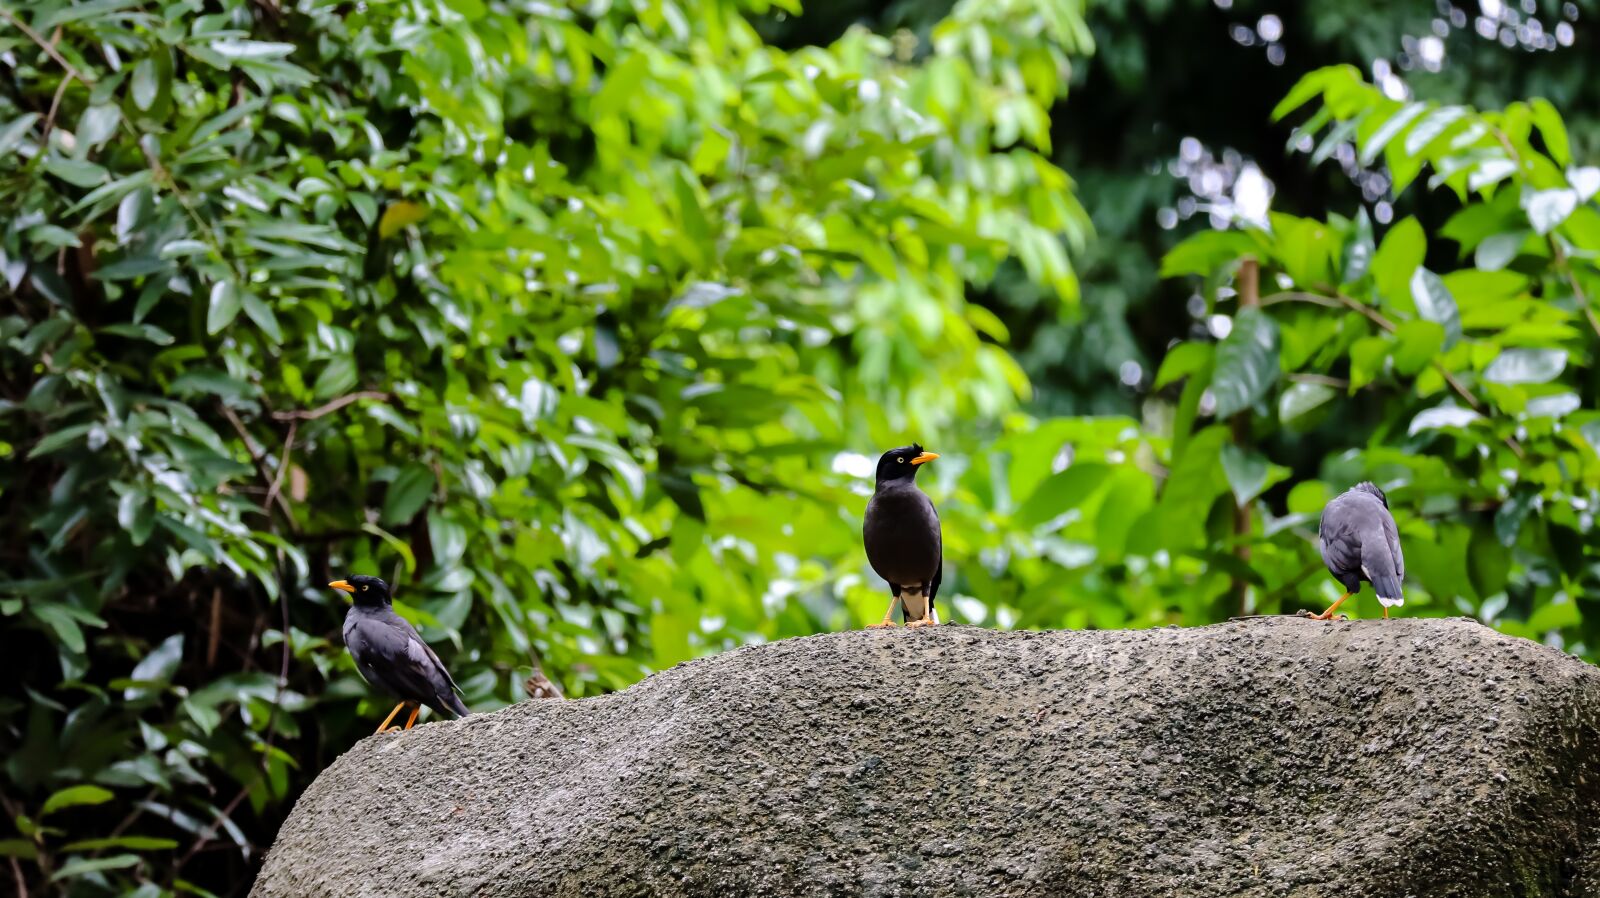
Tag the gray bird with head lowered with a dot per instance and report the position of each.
(1360, 542)
(902, 537)
(392, 657)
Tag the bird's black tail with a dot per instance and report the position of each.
(453, 704)
(1379, 566)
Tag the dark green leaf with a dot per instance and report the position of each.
(1526, 366)
(1247, 363)
(1434, 303)
(74, 796)
(407, 494)
(225, 304)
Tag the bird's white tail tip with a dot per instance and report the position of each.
(1395, 602)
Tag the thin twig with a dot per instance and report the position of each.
(55, 106)
(1378, 318)
(1301, 296)
(255, 456)
(1450, 378)
(1249, 281)
(1322, 379)
(1564, 265)
(16, 873)
(283, 464)
(46, 46)
(1556, 251)
(210, 831)
(333, 406)
(215, 637)
(1356, 305)
(211, 828)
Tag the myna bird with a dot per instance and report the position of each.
(1360, 542)
(902, 537)
(392, 657)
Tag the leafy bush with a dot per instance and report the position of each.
(555, 316)
(1453, 368)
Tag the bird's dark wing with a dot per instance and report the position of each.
(391, 656)
(1381, 560)
(1341, 542)
(1391, 534)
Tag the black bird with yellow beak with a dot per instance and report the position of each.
(392, 657)
(902, 537)
(1360, 542)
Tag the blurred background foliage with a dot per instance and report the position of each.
(584, 324)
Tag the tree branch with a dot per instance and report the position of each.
(1249, 281)
(283, 463)
(46, 46)
(333, 406)
(1323, 379)
(1565, 267)
(254, 450)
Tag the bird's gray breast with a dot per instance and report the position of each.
(901, 533)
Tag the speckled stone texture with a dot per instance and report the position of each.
(1264, 757)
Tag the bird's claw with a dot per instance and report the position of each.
(882, 625)
(920, 623)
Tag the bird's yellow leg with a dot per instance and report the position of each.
(415, 709)
(1327, 615)
(1386, 612)
(383, 727)
(888, 616)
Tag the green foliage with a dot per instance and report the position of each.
(1465, 391)
(582, 324)
(556, 316)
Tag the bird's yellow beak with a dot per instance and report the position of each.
(925, 458)
(342, 584)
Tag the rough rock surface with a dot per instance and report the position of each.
(1264, 757)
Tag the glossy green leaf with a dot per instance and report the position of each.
(407, 494)
(74, 796)
(1526, 366)
(1247, 363)
(226, 301)
(1434, 303)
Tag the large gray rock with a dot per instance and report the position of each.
(1262, 757)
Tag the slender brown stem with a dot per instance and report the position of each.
(1302, 296)
(55, 106)
(46, 46)
(1249, 281)
(1564, 265)
(1376, 317)
(283, 464)
(215, 638)
(254, 450)
(1323, 379)
(286, 648)
(16, 873)
(333, 406)
(1455, 384)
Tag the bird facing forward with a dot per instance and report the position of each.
(901, 533)
(1360, 542)
(392, 657)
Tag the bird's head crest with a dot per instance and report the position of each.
(902, 463)
(364, 590)
(1371, 489)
